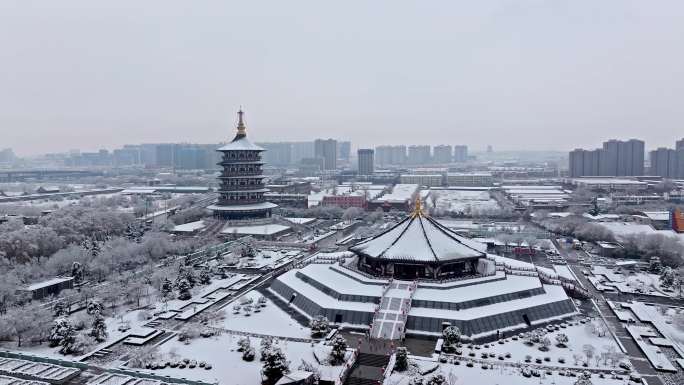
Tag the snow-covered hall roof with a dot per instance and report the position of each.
(421, 239)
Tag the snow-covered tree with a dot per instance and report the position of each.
(244, 343)
(275, 365)
(401, 361)
(262, 301)
(319, 326)
(544, 343)
(265, 346)
(584, 379)
(205, 277)
(562, 339)
(667, 277)
(59, 309)
(309, 367)
(436, 379)
(68, 344)
(94, 307)
(451, 336)
(99, 328)
(339, 349)
(351, 213)
(26, 322)
(77, 271)
(247, 309)
(183, 287)
(588, 351)
(60, 327)
(654, 265)
(166, 287)
(249, 354)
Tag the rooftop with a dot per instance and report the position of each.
(419, 238)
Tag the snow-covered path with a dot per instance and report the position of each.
(390, 317)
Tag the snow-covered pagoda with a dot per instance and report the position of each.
(419, 247)
(419, 276)
(241, 188)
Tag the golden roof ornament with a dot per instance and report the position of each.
(418, 208)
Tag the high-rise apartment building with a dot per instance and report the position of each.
(277, 154)
(442, 154)
(344, 150)
(664, 162)
(326, 149)
(615, 158)
(418, 154)
(460, 153)
(366, 161)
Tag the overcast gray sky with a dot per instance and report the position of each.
(517, 74)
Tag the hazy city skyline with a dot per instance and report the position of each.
(536, 75)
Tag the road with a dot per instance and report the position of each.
(635, 355)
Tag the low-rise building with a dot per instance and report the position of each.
(429, 180)
(469, 179)
(40, 290)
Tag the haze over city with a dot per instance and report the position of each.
(533, 75)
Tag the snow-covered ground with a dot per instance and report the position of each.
(498, 375)
(228, 367)
(301, 221)
(270, 320)
(265, 257)
(579, 335)
(265, 230)
(189, 227)
(463, 201)
(636, 283)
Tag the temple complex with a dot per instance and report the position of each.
(419, 277)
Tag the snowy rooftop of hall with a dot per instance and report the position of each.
(420, 238)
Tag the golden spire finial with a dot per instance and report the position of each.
(418, 208)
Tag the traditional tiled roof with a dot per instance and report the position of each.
(422, 239)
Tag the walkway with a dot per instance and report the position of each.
(389, 321)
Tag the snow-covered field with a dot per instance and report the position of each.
(264, 258)
(460, 201)
(579, 335)
(498, 375)
(269, 320)
(636, 283)
(228, 367)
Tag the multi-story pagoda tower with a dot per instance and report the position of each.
(241, 187)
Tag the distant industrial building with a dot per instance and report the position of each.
(366, 161)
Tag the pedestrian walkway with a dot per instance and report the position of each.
(389, 320)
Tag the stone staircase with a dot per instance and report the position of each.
(389, 320)
(368, 369)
